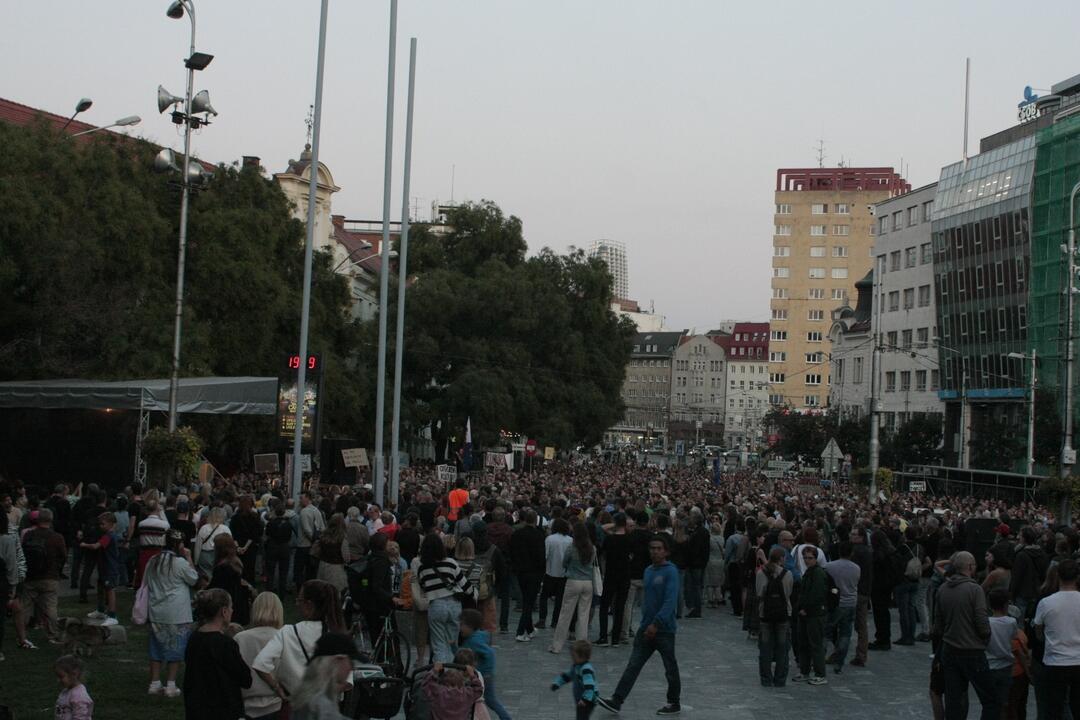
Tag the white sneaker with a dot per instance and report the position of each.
(816, 680)
(531, 634)
(110, 621)
(524, 637)
(96, 615)
(172, 691)
(156, 688)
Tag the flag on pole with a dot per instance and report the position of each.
(466, 459)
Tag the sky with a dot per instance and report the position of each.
(657, 123)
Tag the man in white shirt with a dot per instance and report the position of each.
(554, 575)
(1057, 620)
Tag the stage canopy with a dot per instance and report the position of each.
(213, 395)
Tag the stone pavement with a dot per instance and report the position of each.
(719, 673)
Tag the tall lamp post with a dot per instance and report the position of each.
(189, 176)
(1068, 454)
(1031, 408)
(80, 107)
(122, 122)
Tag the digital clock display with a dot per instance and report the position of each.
(313, 363)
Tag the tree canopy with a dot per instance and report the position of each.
(528, 345)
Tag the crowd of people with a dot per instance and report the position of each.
(600, 554)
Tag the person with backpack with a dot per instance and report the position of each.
(909, 563)
(773, 586)
(1028, 572)
(45, 552)
(279, 537)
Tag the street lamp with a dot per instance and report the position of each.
(80, 107)
(199, 104)
(122, 122)
(1031, 409)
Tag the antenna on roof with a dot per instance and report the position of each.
(821, 153)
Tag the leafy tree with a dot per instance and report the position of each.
(1048, 427)
(527, 345)
(802, 434)
(853, 437)
(916, 442)
(88, 239)
(995, 444)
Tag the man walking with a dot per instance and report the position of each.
(697, 558)
(311, 523)
(962, 630)
(527, 559)
(1057, 621)
(617, 552)
(862, 556)
(656, 632)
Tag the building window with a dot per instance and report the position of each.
(881, 263)
(839, 273)
(928, 210)
(783, 229)
(920, 380)
(778, 335)
(781, 251)
(894, 261)
(857, 373)
(819, 209)
(813, 379)
(926, 253)
(894, 301)
(815, 358)
(817, 230)
(776, 399)
(815, 315)
(817, 273)
(842, 209)
(840, 251)
(913, 215)
(905, 341)
(817, 293)
(779, 314)
(777, 357)
(817, 251)
(883, 225)
(909, 298)
(839, 294)
(897, 220)
(813, 336)
(905, 381)
(780, 293)
(841, 230)
(922, 336)
(811, 400)
(910, 257)
(890, 381)
(890, 339)
(783, 209)
(781, 272)
(935, 380)
(924, 296)
(775, 378)
(840, 371)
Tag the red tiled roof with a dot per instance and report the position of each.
(24, 115)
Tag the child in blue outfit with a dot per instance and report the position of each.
(109, 563)
(477, 640)
(584, 678)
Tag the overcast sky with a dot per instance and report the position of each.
(660, 124)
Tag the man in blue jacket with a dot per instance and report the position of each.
(657, 630)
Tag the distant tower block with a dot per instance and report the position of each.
(613, 253)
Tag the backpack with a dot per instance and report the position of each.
(913, 567)
(774, 605)
(37, 558)
(280, 530)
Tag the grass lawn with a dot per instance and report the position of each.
(116, 675)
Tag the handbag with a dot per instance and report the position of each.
(597, 577)
(140, 610)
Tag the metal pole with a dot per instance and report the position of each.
(962, 461)
(967, 94)
(181, 258)
(875, 444)
(1031, 419)
(384, 273)
(1068, 455)
(403, 255)
(309, 241)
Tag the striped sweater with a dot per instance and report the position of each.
(584, 678)
(443, 579)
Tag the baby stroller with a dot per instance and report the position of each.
(374, 695)
(416, 703)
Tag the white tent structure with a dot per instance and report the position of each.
(213, 395)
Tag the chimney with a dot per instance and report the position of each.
(250, 161)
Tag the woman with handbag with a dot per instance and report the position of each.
(580, 566)
(168, 579)
(204, 541)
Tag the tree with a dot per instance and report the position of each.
(1048, 428)
(525, 345)
(916, 442)
(799, 433)
(88, 239)
(995, 444)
